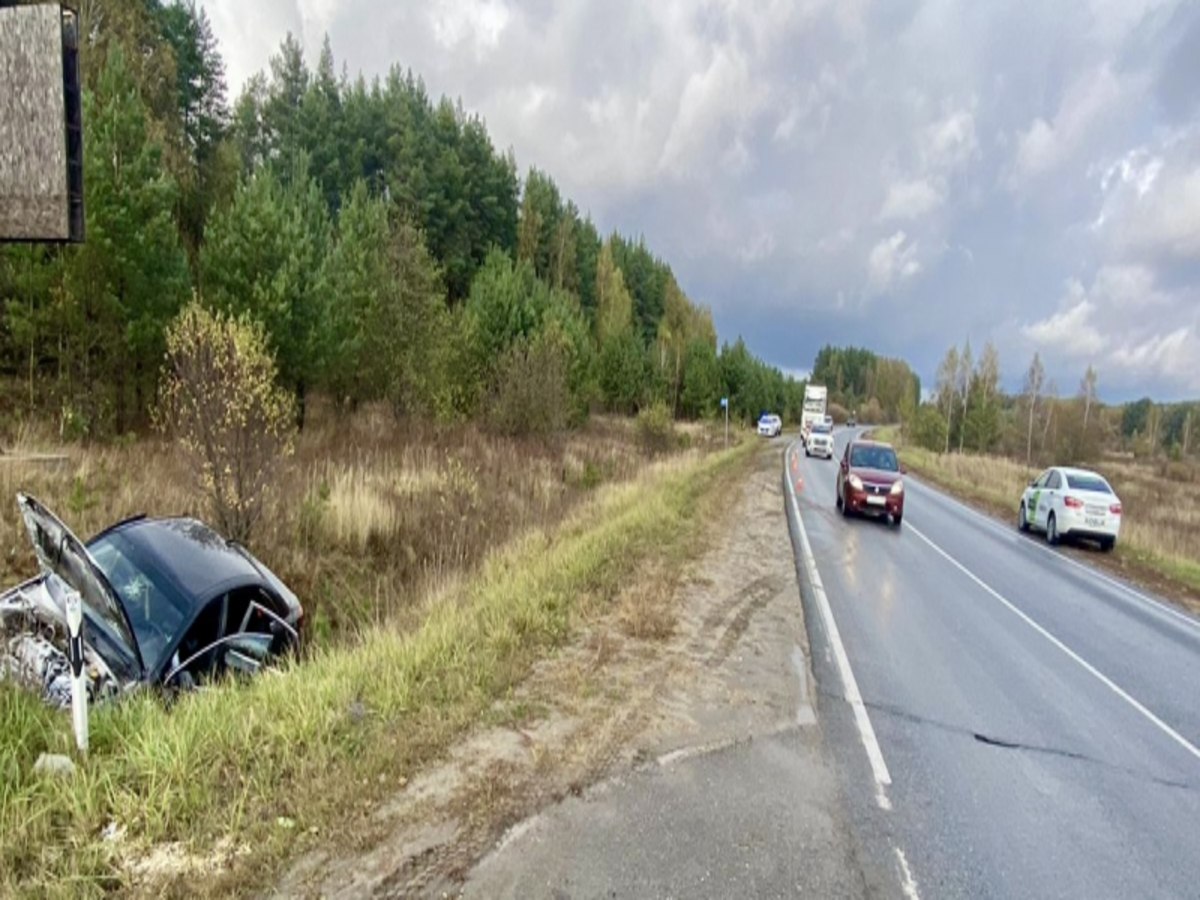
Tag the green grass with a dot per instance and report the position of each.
(301, 747)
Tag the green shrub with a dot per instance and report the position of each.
(929, 428)
(531, 396)
(656, 428)
(218, 397)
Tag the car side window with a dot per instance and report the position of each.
(205, 631)
(1042, 479)
(1055, 481)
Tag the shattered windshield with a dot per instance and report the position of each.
(156, 608)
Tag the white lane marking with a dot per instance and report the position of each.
(1087, 666)
(908, 884)
(865, 731)
(1025, 542)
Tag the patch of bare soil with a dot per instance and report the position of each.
(695, 654)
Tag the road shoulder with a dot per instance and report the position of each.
(679, 725)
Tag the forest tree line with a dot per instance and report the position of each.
(389, 250)
(1040, 424)
(877, 389)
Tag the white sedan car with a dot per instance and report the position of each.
(1071, 503)
(770, 426)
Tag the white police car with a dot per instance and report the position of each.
(770, 426)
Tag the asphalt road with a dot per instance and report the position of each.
(1028, 727)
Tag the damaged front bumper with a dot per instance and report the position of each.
(33, 647)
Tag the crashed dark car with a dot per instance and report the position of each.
(166, 602)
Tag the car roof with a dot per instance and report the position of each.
(859, 442)
(198, 559)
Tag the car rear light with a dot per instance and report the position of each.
(1115, 509)
(1073, 502)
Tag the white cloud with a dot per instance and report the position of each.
(723, 94)
(1044, 146)
(1124, 324)
(1171, 356)
(892, 260)
(758, 248)
(1070, 330)
(910, 200)
(950, 143)
(480, 22)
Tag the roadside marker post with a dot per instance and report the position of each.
(79, 697)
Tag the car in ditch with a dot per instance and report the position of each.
(820, 442)
(167, 602)
(1068, 504)
(870, 482)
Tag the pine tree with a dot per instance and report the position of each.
(614, 306)
(265, 255)
(129, 279)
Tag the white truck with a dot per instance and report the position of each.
(816, 398)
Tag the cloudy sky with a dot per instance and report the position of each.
(900, 174)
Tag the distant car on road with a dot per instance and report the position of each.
(820, 442)
(1068, 503)
(869, 481)
(852, 421)
(770, 426)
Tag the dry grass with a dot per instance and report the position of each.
(645, 608)
(368, 512)
(1160, 528)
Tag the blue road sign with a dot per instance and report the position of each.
(724, 402)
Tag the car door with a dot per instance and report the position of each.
(1034, 507)
(1045, 496)
(209, 647)
(1052, 496)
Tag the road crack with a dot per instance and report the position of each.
(1000, 743)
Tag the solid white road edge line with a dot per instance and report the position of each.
(865, 731)
(1087, 666)
(1097, 573)
(907, 883)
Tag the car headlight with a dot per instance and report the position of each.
(856, 482)
(897, 487)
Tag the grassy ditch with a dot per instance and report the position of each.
(1160, 528)
(215, 792)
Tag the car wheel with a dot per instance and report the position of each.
(1106, 545)
(1022, 521)
(898, 520)
(1052, 530)
(838, 498)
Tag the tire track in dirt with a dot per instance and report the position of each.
(747, 602)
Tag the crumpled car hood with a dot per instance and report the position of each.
(33, 642)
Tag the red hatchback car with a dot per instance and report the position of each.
(869, 482)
